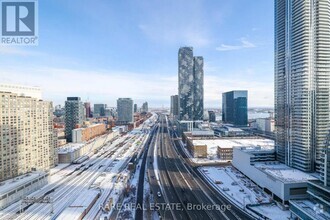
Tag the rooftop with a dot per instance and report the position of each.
(71, 147)
(237, 142)
(283, 173)
(8, 185)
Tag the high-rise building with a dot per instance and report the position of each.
(174, 105)
(302, 81)
(74, 115)
(135, 108)
(234, 107)
(125, 110)
(212, 117)
(145, 107)
(191, 91)
(27, 131)
(88, 109)
(99, 110)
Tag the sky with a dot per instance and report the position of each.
(101, 50)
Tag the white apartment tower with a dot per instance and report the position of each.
(302, 81)
(26, 131)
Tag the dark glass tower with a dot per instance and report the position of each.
(234, 107)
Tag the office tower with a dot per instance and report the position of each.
(212, 117)
(145, 107)
(99, 110)
(191, 92)
(26, 130)
(125, 110)
(88, 109)
(74, 115)
(302, 76)
(135, 108)
(20, 90)
(234, 107)
(174, 105)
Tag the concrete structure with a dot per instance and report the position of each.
(27, 135)
(135, 108)
(125, 110)
(74, 115)
(302, 81)
(234, 107)
(174, 105)
(229, 131)
(15, 189)
(191, 91)
(282, 182)
(73, 151)
(80, 135)
(88, 109)
(196, 149)
(225, 153)
(60, 136)
(265, 124)
(99, 110)
(317, 206)
(21, 90)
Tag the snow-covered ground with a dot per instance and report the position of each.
(148, 199)
(241, 191)
(126, 212)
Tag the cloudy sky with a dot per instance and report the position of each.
(101, 50)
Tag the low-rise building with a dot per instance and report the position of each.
(197, 149)
(225, 152)
(80, 135)
(229, 131)
(264, 124)
(15, 189)
(72, 151)
(282, 182)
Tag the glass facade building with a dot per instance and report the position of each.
(125, 110)
(74, 115)
(191, 90)
(174, 105)
(234, 107)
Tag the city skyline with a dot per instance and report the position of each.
(250, 45)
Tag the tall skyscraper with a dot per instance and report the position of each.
(174, 105)
(145, 107)
(125, 110)
(135, 108)
(88, 109)
(99, 110)
(191, 91)
(74, 115)
(302, 81)
(234, 107)
(26, 134)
